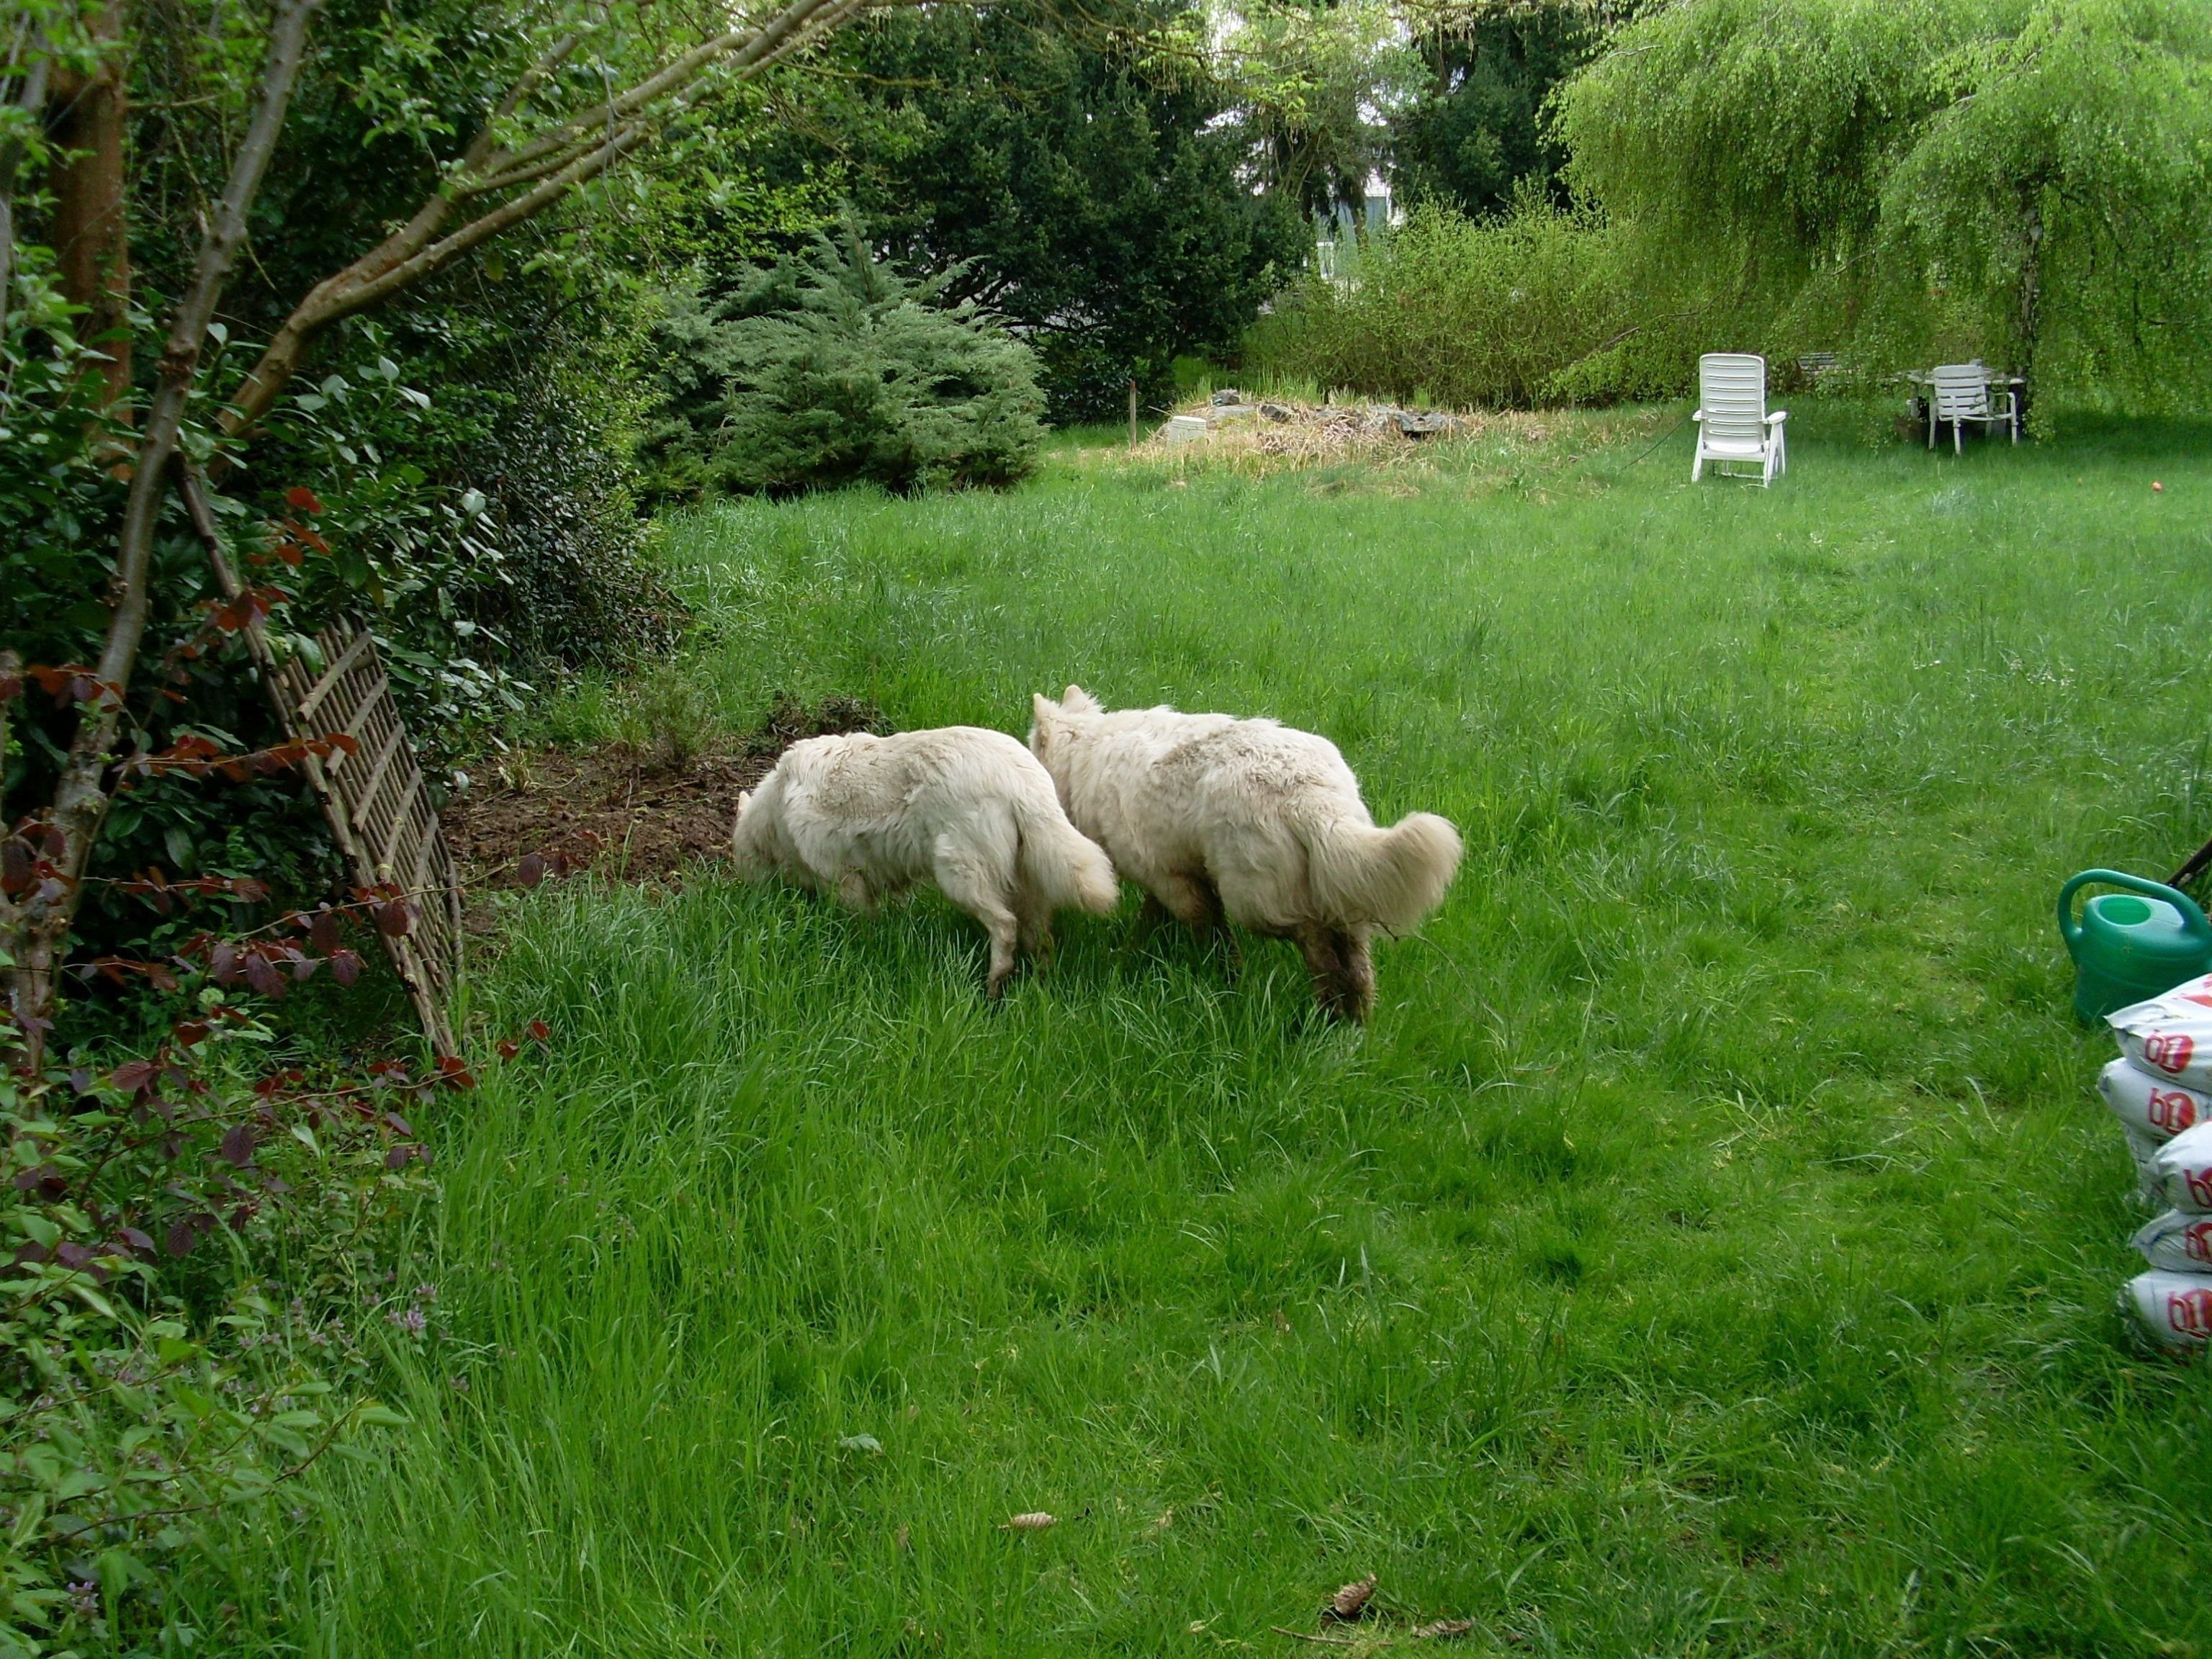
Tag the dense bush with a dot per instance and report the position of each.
(834, 368)
(153, 1372)
(482, 511)
(1504, 312)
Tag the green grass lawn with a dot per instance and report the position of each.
(1709, 1248)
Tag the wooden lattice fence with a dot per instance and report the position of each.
(374, 798)
(379, 810)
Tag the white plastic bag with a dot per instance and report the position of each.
(2144, 1150)
(2181, 1170)
(2170, 1036)
(2149, 1105)
(2177, 1242)
(2174, 1308)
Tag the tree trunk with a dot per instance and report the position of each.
(2030, 320)
(91, 246)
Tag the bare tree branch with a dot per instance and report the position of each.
(547, 170)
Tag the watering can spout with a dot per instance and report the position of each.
(2130, 945)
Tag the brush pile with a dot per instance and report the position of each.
(2160, 1089)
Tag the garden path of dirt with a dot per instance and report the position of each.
(623, 813)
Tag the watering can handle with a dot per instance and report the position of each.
(2193, 921)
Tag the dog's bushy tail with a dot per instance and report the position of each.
(1388, 878)
(1061, 864)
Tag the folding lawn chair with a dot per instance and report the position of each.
(1960, 392)
(1734, 427)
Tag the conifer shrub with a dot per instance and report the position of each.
(832, 368)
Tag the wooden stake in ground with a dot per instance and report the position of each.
(2194, 868)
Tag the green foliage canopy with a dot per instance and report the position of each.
(1085, 169)
(2028, 178)
(1473, 127)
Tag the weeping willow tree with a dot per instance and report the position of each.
(2029, 179)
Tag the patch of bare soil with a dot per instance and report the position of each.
(622, 811)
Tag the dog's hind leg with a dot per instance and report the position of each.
(1033, 925)
(981, 898)
(1343, 973)
(1151, 916)
(1358, 981)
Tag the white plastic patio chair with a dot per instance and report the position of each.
(1960, 392)
(1734, 427)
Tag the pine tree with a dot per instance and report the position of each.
(834, 369)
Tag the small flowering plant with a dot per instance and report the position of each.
(146, 1381)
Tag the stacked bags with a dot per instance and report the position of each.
(2160, 1089)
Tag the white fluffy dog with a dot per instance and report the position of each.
(865, 817)
(1211, 814)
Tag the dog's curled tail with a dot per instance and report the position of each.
(1060, 863)
(1388, 878)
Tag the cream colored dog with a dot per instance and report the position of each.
(865, 818)
(1210, 815)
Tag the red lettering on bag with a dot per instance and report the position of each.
(2169, 1051)
(2200, 1186)
(2190, 1311)
(2172, 1110)
(2197, 1241)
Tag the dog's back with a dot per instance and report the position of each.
(967, 809)
(1270, 816)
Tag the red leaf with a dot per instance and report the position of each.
(262, 977)
(190, 1032)
(395, 918)
(238, 1146)
(134, 1075)
(508, 1050)
(531, 869)
(397, 1156)
(539, 1029)
(300, 499)
(345, 966)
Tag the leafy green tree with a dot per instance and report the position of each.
(1088, 177)
(1473, 128)
(834, 368)
(2028, 178)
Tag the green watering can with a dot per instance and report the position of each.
(2129, 946)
